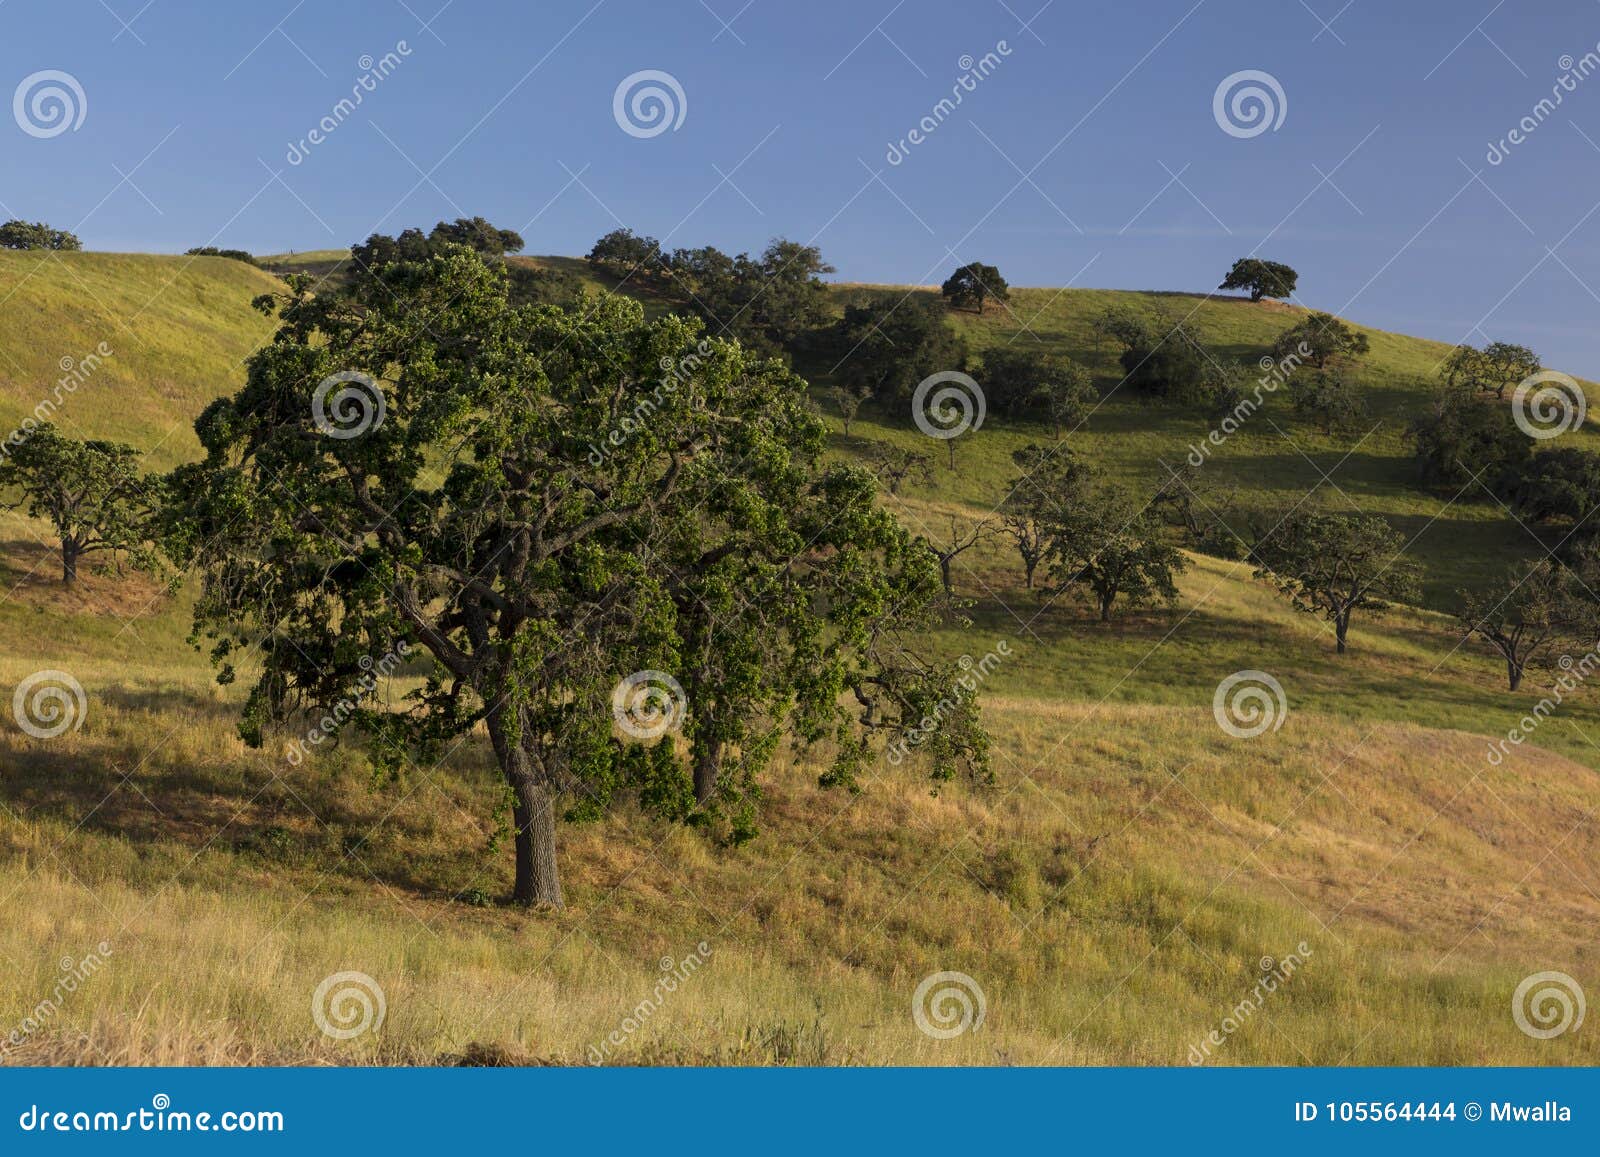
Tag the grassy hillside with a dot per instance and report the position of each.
(1462, 539)
(1114, 894)
(177, 328)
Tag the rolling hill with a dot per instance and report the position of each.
(1115, 895)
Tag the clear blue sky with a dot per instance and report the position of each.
(1106, 106)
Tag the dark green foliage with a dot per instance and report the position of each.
(1018, 381)
(622, 254)
(1088, 532)
(974, 284)
(213, 251)
(1329, 398)
(1465, 437)
(475, 233)
(1562, 483)
(1173, 365)
(886, 345)
(16, 234)
(1261, 278)
(478, 235)
(772, 303)
(536, 285)
(1321, 340)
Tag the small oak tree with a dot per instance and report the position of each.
(1533, 610)
(91, 493)
(1334, 564)
(1321, 340)
(1098, 537)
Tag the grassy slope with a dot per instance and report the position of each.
(1276, 459)
(178, 329)
(1112, 894)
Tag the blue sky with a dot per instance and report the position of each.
(1090, 154)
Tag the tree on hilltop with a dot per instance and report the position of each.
(15, 234)
(1261, 278)
(974, 284)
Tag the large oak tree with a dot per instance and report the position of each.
(711, 544)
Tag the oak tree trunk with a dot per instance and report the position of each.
(707, 768)
(533, 812)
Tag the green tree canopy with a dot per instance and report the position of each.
(1261, 278)
(1334, 564)
(974, 284)
(887, 345)
(1463, 437)
(1320, 340)
(91, 493)
(15, 234)
(710, 583)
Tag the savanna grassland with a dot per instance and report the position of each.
(1114, 893)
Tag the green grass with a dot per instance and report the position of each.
(177, 328)
(1463, 539)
